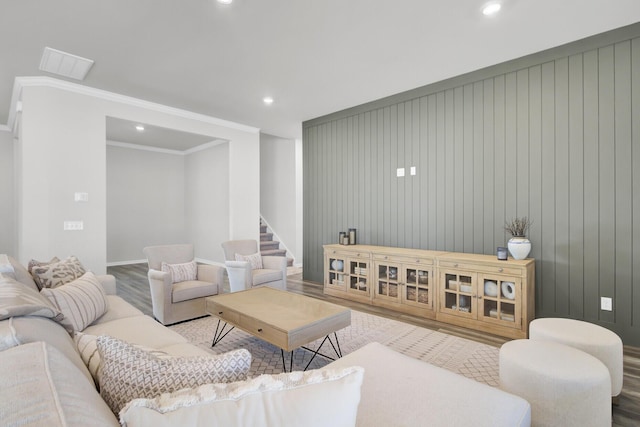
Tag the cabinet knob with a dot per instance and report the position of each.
(500, 270)
(455, 265)
(333, 252)
(259, 329)
(220, 312)
(386, 257)
(417, 260)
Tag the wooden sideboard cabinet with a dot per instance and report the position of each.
(470, 290)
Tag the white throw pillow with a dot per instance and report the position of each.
(181, 272)
(129, 372)
(255, 260)
(81, 301)
(325, 397)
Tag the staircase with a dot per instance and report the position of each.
(270, 247)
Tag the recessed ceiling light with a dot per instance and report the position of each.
(139, 128)
(267, 100)
(225, 1)
(491, 8)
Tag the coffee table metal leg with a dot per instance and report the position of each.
(218, 335)
(284, 365)
(317, 351)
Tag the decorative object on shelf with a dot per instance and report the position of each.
(393, 273)
(465, 288)
(341, 236)
(490, 288)
(509, 290)
(502, 253)
(464, 301)
(337, 265)
(519, 245)
(352, 236)
(345, 241)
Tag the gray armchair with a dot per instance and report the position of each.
(175, 302)
(241, 276)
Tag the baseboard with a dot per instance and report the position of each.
(133, 261)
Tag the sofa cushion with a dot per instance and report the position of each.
(313, 398)
(192, 289)
(16, 299)
(141, 330)
(400, 390)
(27, 329)
(181, 272)
(41, 387)
(58, 273)
(129, 372)
(81, 301)
(118, 309)
(254, 260)
(265, 276)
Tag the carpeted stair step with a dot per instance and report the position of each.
(266, 237)
(289, 262)
(274, 252)
(265, 246)
(263, 228)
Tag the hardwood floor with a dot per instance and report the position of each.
(134, 288)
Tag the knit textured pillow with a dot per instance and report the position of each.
(81, 301)
(181, 272)
(57, 273)
(130, 373)
(255, 260)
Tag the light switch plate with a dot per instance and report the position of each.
(400, 172)
(606, 304)
(81, 197)
(73, 225)
(413, 170)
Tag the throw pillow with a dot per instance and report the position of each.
(17, 299)
(129, 373)
(57, 273)
(181, 272)
(88, 348)
(326, 397)
(35, 263)
(81, 301)
(5, 267)
(255, 260)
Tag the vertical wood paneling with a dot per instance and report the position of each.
(561, 202)
(623, 184)
(606, 178)
(576, 187)
(557, 141)
(591, 186)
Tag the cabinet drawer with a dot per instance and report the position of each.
(264, 331)
(349, 254)
(513, 271)
(402, 259)
(229, 316)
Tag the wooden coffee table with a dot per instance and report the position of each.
(284, 319)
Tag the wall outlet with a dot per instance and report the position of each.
(73, 225)
(413, 170)
(81, 197)
(400, 172)
(606, 303)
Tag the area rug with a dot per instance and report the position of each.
(469, 358)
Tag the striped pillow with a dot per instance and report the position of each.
(81, 301)
(181, 272)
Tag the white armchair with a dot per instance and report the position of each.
(241, 276)
(175, 302)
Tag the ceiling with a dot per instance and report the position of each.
(314, 57)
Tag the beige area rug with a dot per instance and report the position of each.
(469, 358)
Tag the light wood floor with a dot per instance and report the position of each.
(134, 288)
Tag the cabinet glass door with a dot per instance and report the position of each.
(387, 281)
(418, 286)
(358, 277)
(337, 278)
(457, 294)
(500, 300)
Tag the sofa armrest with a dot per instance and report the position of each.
(108, 282)
(161, 288)
(275, 263)
(211, 273)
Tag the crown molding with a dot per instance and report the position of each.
(21, 82)
(140, 147)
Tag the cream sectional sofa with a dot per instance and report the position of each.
(45, 382)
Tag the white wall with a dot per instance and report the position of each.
(63, 150)
(145, 201)
(7, 195)
(279, 191)
(207, 201)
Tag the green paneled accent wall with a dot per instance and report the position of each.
(554, 136)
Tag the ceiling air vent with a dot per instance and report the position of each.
(64, 64)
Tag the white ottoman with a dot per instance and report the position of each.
(588, 337)
(564, 386)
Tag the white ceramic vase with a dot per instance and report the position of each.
(519, 247)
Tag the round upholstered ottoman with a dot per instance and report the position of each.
(564, 386)
(593, 339)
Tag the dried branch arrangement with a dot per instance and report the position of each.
(518, 227)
